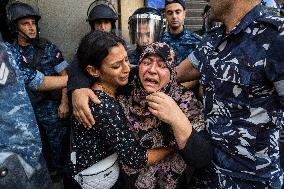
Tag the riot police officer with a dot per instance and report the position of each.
(43, 56)
(145, 27)
(102, 17)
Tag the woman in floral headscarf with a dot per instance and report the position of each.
(157, 73)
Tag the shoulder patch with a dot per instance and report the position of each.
(58, 55)
(24, 59)
(4, 72)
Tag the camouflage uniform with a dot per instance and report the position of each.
(46, 109)
(20, 143)
(183, 43)
(243, 79)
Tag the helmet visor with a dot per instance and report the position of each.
(144, 29)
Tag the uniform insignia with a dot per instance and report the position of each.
(25, 59)
(58, 55)
(4, 72)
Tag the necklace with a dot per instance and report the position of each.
(106, 90)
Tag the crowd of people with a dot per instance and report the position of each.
(180, 110)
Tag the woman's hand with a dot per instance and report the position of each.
(164, 107)
(167, 110)
(81, 109)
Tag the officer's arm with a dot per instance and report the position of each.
(186, 72)
(274, 72)
(53, 83)
(63, 109)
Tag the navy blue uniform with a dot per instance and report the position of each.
(243, 79)
(46, 107)
(183, 43)
(19, 134)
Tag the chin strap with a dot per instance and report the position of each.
(30, 40)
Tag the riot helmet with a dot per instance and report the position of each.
(19, 10)
(101, 10)
(145, 26)
(271, 7)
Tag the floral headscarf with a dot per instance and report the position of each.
(153, 133)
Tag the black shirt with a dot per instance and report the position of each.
(109, 134)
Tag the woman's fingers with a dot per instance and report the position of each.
(153, 105)
(155, 97)
(153, 111)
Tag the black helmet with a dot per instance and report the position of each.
(271, 6)
(145, 16)
(102, 10)
(147, 10)
(18, 10)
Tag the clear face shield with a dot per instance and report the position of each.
(145, 29)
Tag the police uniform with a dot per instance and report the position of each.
(21, 162)
(183, 43)
(243, 79)
(133, 56)
(46, 107)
